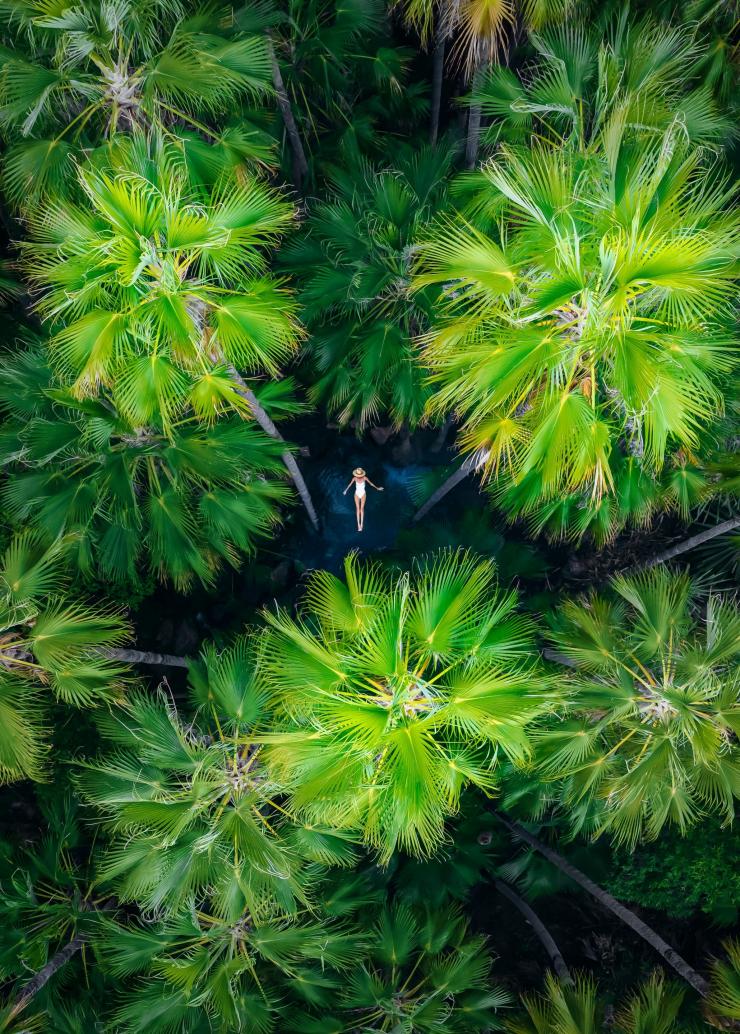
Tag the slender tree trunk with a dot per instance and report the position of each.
(287, 457)
(474, 121)
(444, 430)
(166, 660)
(691, 543)
(45, 974)
(438, 64)
(471, 145)
(548, 942)
(291, 128)
(472, 463)
(654, 939)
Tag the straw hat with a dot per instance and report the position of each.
(358, 472)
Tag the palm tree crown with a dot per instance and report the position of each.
(180, 502)
(655, 715)
(396, 693)
(354, 263)
(153, 288)
(582, 314)
(198, 837)
(74, 72)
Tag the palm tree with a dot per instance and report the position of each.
(47, 643)
(585, 83)
(204, 972)
(559, 366)
(723, 1003)
(154, 289)
(341, 74)
(419, 971)
(181, 502)
(567, 1009)
(193, 813)
(478, 33)
(353, 266)
(396, 692)
(199, 839)
(653, 705)
(50, 915)
(85, 71)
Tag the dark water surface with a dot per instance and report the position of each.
(278, 570)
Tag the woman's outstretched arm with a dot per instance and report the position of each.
(348, 486)
(376, 487)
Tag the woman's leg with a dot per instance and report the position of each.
(362, 512)
(358, 512)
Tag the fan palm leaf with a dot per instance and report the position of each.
(353, 266)
(122, 495)
(158, 324)
(47, 643)
(724, 997)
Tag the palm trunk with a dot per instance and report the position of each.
(287, 457)
(300, 165)
(472, 463)
(474, 121)
(654, 939)
(559, 658)
(546, 938)
(166, 660)
(444, 430)
(471, 145)
(45, 974)
(438, 64)
(691, 543)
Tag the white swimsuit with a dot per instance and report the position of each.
(359, 489)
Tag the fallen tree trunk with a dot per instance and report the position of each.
(539, 928)
(45, 974)
(167, 660)
(691, 543)
(268, 426)
(300, 165)
(669, 954)
(468, 466)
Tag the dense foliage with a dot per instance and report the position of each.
(254, 779)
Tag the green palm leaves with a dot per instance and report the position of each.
(590, 330)
(724, 999)
(46, 642)
(194, 809)
(397, 692)
(576, 1009)
(643, 76)
(655, 702)
(420, 972)
(198, 835)
(152, 289)
(133, 496)
(354, 265)
(76, 72)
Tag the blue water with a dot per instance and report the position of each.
(385, 512)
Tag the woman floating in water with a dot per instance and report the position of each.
(359, 478)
